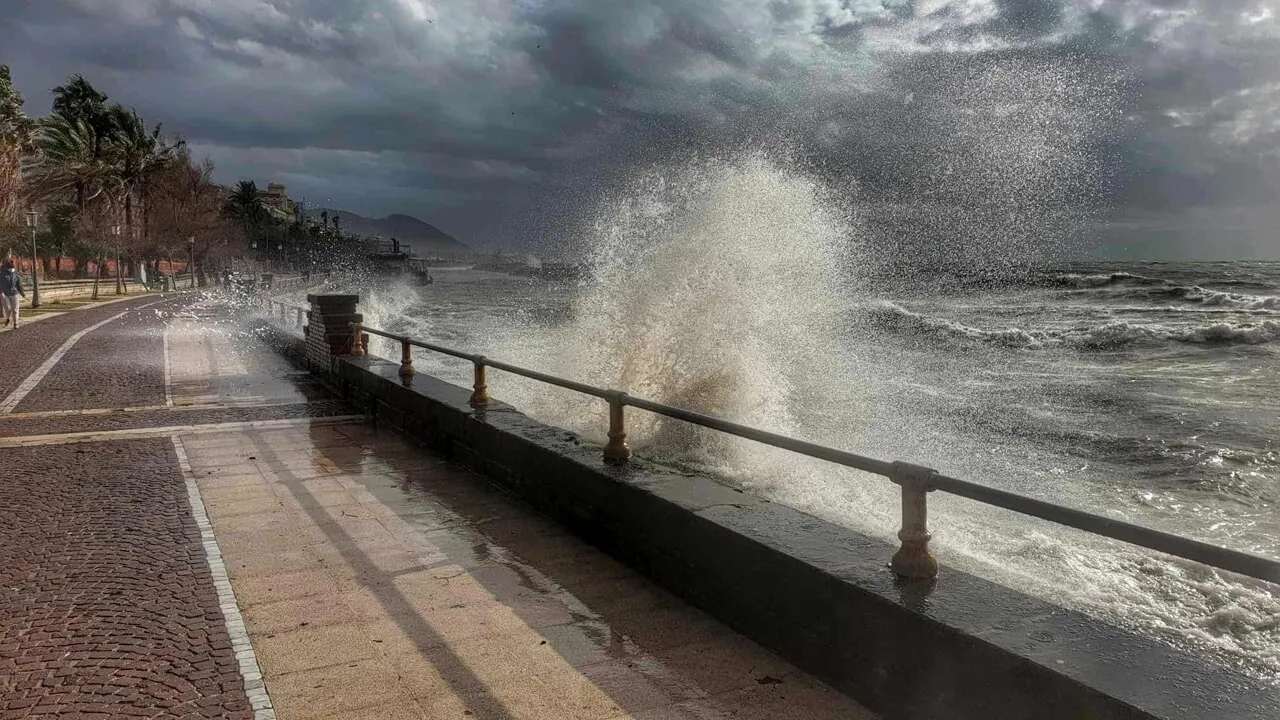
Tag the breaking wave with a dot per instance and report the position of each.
(1204, 296)
(1134, 286)
(1109, 336)
(1073, 280)
(1140, 287)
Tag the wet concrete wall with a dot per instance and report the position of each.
(816, 593)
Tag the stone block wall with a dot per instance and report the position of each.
(328, 328)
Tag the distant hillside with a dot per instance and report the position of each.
(423, 237)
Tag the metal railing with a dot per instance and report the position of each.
(285, 311)
(914, 558)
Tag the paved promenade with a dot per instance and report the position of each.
(191, 528)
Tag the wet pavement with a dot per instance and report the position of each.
(241, 538)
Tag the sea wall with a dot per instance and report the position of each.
(814, 592)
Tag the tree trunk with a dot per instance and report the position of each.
(146, 217)
(97, 276)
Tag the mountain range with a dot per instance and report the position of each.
(423, 237)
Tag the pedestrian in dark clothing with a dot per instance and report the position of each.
(10, 289)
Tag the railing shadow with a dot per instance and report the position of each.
(427, 640)
(637, 643)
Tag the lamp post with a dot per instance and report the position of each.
(32, 220)
(191, 263)
(115, 230)
(115, 233)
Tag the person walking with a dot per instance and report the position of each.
(10, 289)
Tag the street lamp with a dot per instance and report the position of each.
(33, 220)
(191, 264)
(115, 230)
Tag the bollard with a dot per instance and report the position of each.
(616, 451)
(406, 360)
(479, 390)
(914, 560)
(301, 314)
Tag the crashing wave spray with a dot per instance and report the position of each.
(715, 287)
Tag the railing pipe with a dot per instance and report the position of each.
(1140, 535)
(821, 452)
(549, 379)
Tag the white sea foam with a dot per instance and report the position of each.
(1248, 302)
(1093, 281)
(1108, 336)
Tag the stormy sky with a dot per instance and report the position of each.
(504, 121)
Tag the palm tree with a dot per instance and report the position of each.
(138, 155)
(80, 100)
(70, 162)
(17, 141)
(245, 204)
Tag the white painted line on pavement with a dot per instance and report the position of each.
(168, 372)
(76, 438)
(34, 378)
(234, 405)
(254, 687)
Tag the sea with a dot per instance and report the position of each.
(1143, 391)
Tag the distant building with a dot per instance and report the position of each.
(278, 203)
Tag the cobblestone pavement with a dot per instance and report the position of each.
(107, 607)
(118, 365)
(108, 604)
(24, 350)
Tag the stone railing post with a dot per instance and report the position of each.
(328, 329)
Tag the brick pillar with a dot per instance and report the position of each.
(328, 329)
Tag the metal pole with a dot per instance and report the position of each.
(191, 264)
(35, 266)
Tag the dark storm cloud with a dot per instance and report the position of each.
(494, 117)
